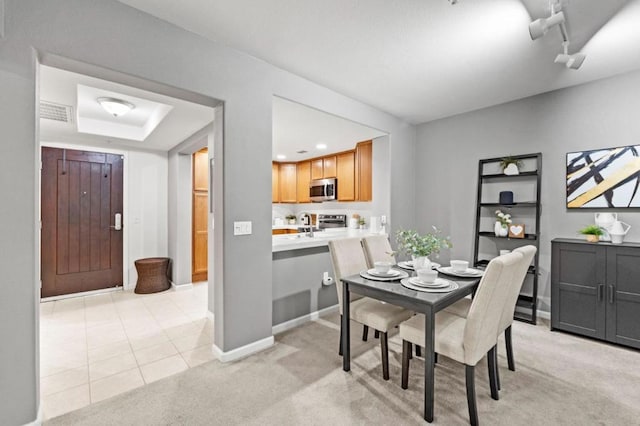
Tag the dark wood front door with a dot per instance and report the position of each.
(81, 195)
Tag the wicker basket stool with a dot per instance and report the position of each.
(152, 275)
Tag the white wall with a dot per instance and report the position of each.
(595, 115)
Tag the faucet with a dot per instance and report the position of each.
(309, 231)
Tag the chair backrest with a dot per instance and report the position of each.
(378, 248)
(347, 258)
(483, 319)
(528, 252)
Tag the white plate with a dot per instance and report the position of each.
(452, 286)
(409, 265)
(438, 283)
(367, 275)
(391, 273)
(469, 273)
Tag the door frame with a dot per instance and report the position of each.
(125, 208)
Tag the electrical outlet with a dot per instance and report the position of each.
(383, 220)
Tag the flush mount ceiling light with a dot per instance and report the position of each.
(281, 156)
(115, 107)
(571, 61)
(539, 27)
(321, 146)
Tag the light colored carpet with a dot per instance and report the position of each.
(560, 380)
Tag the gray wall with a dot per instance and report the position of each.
(148, 48)
(595, 115)
(297, 283)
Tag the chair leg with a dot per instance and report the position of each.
(435, 357)
(376, 334)
(410, 350)
(497, 369)
(406, 357)
(340, 344)
(385, 355)
(471, 394)
(365, 332)
(418, 350)
(507, 341)
(491, 363)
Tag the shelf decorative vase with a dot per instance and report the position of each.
(500, 230)
(592, 238)
(511, 170)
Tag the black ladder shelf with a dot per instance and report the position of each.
(489, 175)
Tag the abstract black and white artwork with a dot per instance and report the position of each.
(604, 178)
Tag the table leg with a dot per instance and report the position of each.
(429, 363)
(346, 323)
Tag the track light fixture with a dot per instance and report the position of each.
(539, 27)
(571, 61)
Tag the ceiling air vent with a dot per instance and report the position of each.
(56, 112)
(302, 151)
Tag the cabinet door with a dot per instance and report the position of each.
(304, 178)
(317, 168)
(623, 295)
(329, 167)
(364, 158)
(345, 164)
(288, 184)
(275, 183)
(577, 289)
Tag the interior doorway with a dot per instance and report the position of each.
(200, 209)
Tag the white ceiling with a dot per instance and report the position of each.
(297, 127)
(182, 120)
(419, 59)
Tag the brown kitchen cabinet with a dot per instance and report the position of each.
(324, 167)
(275, 182)
(283, 231)
(303, 179)
(363, 171)
(345, 173)
(288, 183)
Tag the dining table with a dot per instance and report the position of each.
(426, 303)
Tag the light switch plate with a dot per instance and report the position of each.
(242, 228)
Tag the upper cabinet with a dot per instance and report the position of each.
(324, 167)
(364, 171)
(345, 173)
(304, 179)
(288, 183)
(275, 182)
(353, 170)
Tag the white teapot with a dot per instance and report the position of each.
(618, 231)
(605, 221)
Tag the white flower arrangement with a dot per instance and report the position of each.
(503, 218)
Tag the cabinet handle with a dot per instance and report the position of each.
(611, 293)
(600, 292)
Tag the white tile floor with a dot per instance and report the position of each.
(96, 347)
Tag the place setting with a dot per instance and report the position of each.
(383, 271)
(460, 269)
(409, 265)
(427, 280)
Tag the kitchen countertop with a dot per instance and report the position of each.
(320, 238)
(296, 226)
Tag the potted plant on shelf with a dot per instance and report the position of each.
(592, 233)
(291, 219)
(501, 227)
(362, 222)
(510, 166)
(419, 247)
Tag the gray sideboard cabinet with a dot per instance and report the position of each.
(595, 290)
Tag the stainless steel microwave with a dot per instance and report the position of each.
(323, 190)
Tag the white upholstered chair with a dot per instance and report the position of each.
(467, 340)
(347, 257)
(378, 249)
(461, 307)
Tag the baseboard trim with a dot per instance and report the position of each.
(181, 287)
(288, 325)
(38, 420)
(242, 351)
(544, 314)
